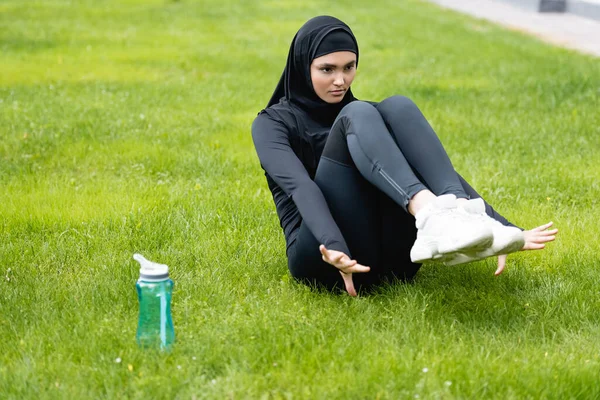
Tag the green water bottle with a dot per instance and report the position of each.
(154, 289)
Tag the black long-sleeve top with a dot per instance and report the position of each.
(289, 144)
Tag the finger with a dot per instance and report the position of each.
(544, 227)
(552, 232)
(348, 263)
(534, 246)
(323, 250)
(501, 264)
(338, 258)
(544, 233)
(349, 284)
(340, 264)
(357, 269)
(541, 239)
(544, 239)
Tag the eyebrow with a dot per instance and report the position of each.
(327, 65)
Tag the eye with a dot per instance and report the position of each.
(326, 70)
(349, 67)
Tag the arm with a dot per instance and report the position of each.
(281, 163)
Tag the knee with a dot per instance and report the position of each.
(397, 107)
(359, 109)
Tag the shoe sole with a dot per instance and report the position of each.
(432, 248)
(513, 246)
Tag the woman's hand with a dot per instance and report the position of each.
(535, 239)
(346, 266)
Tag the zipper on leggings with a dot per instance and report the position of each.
(391, 181)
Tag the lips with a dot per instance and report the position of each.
(340, 91)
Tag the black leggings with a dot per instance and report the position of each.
(377, 157)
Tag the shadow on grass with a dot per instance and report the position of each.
(526, 298)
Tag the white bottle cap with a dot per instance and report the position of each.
(151, 271)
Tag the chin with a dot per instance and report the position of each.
(335, 100)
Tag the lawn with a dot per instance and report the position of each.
(125, 127)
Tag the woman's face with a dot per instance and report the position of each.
(332, 75)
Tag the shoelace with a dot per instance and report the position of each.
(454, 214)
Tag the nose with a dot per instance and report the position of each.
(339, 79)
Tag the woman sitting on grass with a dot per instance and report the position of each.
(351, 179)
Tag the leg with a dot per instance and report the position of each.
(398, 234)
(355, 204)
(372, 150)
(424, 151)
(359, 140)
(378, 231)
(384, 233)
(427, 157)
(420, 145)
(442, 228)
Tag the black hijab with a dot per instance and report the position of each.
(295, 83)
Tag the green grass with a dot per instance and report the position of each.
(125, 127)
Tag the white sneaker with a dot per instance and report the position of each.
(507, 239)
(444, 228)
